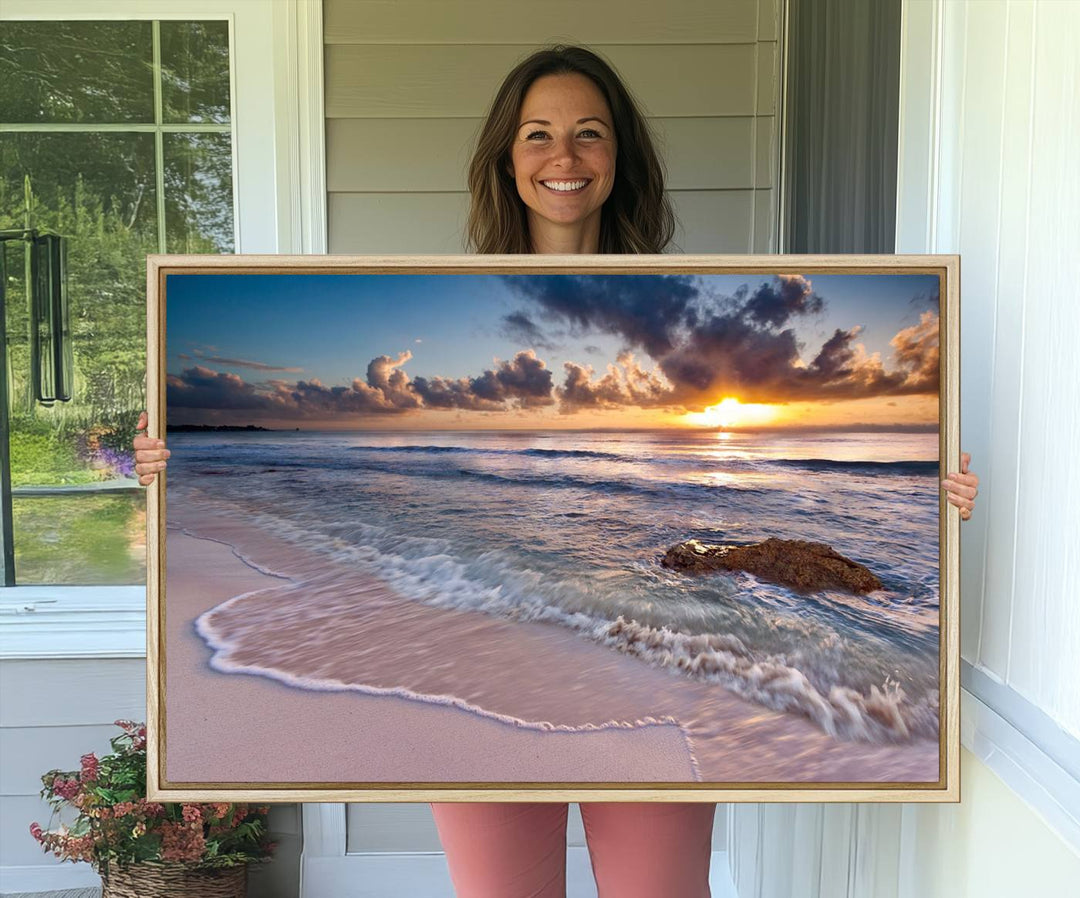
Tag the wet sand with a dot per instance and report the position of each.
(410, 693)
(244, 728)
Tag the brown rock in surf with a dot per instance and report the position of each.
(795, 563)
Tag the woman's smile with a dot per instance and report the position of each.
(564, 186)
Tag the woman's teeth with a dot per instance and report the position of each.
(564, 186)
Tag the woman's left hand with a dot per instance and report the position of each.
(961, 489)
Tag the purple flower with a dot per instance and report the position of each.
(118, 462)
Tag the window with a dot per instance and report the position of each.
(118, 136)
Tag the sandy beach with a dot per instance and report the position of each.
(408, 693)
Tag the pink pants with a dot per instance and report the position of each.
(518, 849)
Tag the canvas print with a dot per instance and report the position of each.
(667, 528)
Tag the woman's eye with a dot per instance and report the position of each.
(533, 134)
(589, 132)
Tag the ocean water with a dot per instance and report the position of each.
(569, 528)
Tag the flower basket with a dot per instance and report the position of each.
(173, 880)
(144, 848)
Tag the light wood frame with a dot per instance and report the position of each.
(947, 788)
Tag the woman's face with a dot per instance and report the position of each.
(563, 154)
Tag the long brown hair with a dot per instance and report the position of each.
(637, 216)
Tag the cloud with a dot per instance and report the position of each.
(645, 310)
(917, 353)
(201, 387)
(743, 345)
(774, 303)
(520, 327)
(524, 382)
(625, 383)
(386, 377)
(240, 363)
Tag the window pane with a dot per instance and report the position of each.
(195, 71)
(76, 72)
(82, 540)
(198, 193)
(97, 190)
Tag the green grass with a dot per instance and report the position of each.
(82, 539)
(39, 459)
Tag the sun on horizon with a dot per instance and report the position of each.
(730, 412)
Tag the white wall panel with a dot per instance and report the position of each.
(1004, 188)
(977, 223)
(1045, 631)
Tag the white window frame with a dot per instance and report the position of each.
(279, 206)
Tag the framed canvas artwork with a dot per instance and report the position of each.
(445, 528)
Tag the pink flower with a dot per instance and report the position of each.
(65, 788)
(181, 842)
(35, 831)
(89, 767)
(150, 808)
(192, 814)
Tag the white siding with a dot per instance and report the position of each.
(53, 712)
(408, 83)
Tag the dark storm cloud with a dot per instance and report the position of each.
(647, 311)
(774, 303)
(520, 327)
(742, 345)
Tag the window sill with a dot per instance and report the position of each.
(1030, 753)
(73, 622)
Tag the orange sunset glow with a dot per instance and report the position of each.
(729, 412)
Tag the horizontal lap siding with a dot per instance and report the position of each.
(52, 713)
(520, 22)
(408, 84)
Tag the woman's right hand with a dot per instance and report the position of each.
(150, 454)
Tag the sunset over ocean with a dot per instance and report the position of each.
(447, 497)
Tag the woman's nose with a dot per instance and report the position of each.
(564, 150)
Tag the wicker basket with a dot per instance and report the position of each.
(173, 880)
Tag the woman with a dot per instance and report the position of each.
(565, 164)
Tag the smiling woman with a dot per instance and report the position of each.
(563, 162)
(563, 116)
